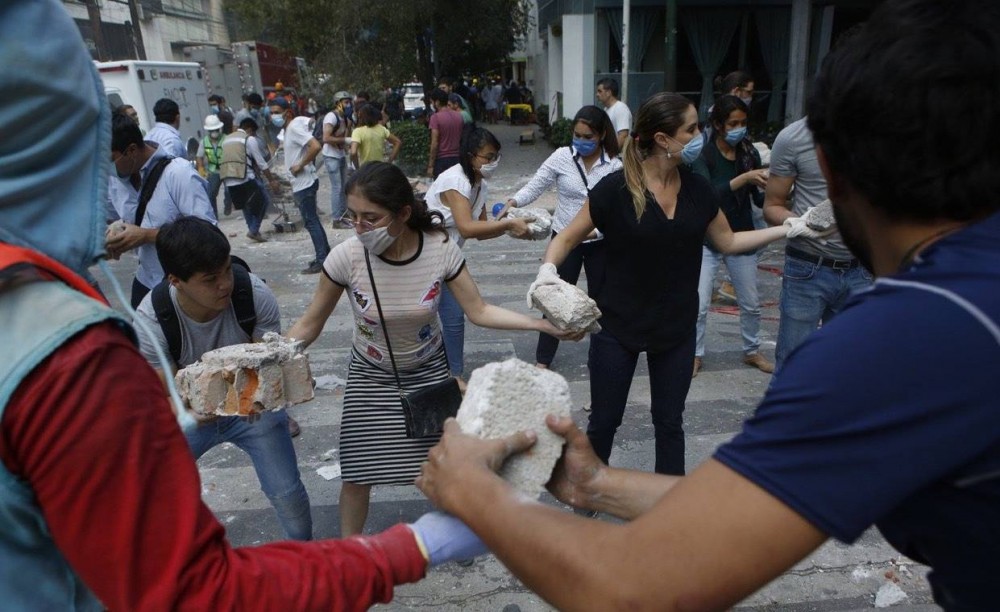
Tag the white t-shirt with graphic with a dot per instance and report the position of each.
(454, 179)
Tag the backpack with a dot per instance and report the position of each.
(242, 298)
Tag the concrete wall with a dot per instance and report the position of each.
(554, 71)
(577, 62)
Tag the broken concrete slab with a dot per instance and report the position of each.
(568, 307)
(540, 228)
(244, 379)
(821, 216)
(511, 396)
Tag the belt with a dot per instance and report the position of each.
(836, 264)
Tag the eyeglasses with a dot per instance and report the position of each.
(494, 157)
(365, 226)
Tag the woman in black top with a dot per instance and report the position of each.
(655, 214)
(732, 165)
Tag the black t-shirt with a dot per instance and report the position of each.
(649, 298)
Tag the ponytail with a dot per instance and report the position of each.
(632, 163)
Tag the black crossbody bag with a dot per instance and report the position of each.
(424, 410)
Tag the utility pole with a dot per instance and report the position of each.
(670, 78)
(140, 47)
(94, 16)
(626, 11)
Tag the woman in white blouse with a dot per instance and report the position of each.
(575, 170)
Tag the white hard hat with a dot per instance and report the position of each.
(212, 123)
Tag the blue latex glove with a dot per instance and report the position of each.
(446, 538)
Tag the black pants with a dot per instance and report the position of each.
(611, 369)
(589, 256)
(139, 291)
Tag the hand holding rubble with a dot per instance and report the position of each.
(444, 538)
(578, 469)
(798, 228)
(547, 275)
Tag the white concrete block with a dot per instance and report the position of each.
(511, 396)
(540, 228)
(567, 306)
(244, 379)
(821, 216)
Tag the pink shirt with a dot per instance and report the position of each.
(449, 124)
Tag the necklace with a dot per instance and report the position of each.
(911, 253)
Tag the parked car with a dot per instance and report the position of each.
(413, 99)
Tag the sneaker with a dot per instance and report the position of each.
(256, 237)
(727, 291)
(293, 427)
(760, 362)
(314, 268)
(697, 367)
(227, 209)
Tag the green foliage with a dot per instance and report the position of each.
(416, 144)
(542, 118)
(561, 134)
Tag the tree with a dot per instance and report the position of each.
(373, 43)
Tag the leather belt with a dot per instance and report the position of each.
(836, 264)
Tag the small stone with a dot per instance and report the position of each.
(568, 307)
(540, 228)
(511, 396)
(889, 594)
(821, 216)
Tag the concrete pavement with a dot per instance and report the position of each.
(836, 577)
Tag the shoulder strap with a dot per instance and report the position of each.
(149, 186)
(381, 318)
(576, 163)
(242, 298)
(166, 316)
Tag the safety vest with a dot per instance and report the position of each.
(234, 156)
(213, 154)
(70, 306)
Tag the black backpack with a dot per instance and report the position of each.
(242, 298)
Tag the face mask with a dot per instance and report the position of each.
(735, 136)
(215, 109)
(584, 147)
(487, 170)
(215, 134)
(692, 149)
(123, 176)
(377, 240)
(278, 120)
(746, 100)
(348, 111)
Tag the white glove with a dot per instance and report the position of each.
(797, 228)
(547, 275)
(445, 538)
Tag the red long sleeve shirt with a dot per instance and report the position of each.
(92, 434)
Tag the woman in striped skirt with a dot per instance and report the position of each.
(411, 259)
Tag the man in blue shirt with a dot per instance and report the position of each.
(887, 415)
(165, 132)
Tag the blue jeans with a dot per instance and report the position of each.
(266, 191)
(213, 187)
(453, 328)
(743, 274)
(306, 202)
(336, 169)
(612, 366)
(812, 294)
(269, 445)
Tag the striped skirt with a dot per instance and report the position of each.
(374, 448)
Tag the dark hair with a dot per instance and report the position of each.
(385, 185)
(363, 94)
(662, 112)
(609, 84)
(248, 122)
(369, 115)
(473, 139)
(724, 106)
(165, 110)
(255, 99)
(124, 131)
(226, 118)
(738, 78)
(898, 129)
(189, 245)
(215, 98)
(438, 96)
(598, 120)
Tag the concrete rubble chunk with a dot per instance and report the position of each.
(568, 307)
(889, 594)
(511, 396)
(244, 379)
(821, 216)
(540, 228)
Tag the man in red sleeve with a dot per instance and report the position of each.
(100, 504)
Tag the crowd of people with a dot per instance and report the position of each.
(90, 426)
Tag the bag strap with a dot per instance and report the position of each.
(149, 186)
(381, 318)
(242, 299)
(583, 177)
(166, 316)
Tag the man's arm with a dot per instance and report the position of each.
(622, 135)
(712, 523)
(396, 145)
(777, 206)
(432, 154)
(312, 150)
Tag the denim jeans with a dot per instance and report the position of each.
(812, 294)
(269, 445)
(265, 189)
(589, 256)
(611, 368)
(306, 202)
(743, 274)
(453, 328)
(336, 169)
(214, 186)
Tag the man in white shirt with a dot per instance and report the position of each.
(621, 116)
(164, 133)
(301, 148)
(335, 136)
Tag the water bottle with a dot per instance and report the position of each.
(497, 208)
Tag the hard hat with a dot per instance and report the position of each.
(341, 95)
(212, 123)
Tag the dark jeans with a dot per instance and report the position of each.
(306, 202)
(589, 256)
(139, 291)
(213, 187)
(611, 368)
(443, 163)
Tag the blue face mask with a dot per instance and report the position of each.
(692, 149)
(278, 121)
(733, 137)
(215, 110)
(584, 147)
